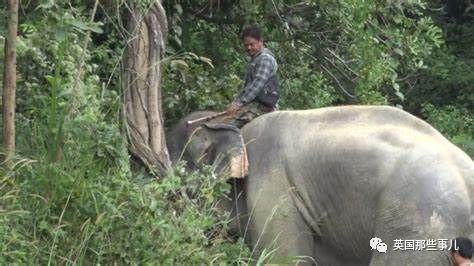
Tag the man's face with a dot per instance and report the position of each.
(457, 259)
(252, 46)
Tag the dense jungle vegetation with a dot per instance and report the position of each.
(72, 195)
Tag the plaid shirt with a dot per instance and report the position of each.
(261, 67)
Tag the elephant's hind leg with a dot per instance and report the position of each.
(430, 204)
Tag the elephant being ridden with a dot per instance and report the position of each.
(321, 183)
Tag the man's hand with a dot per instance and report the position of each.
(232, 109)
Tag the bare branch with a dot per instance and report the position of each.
(342, 61)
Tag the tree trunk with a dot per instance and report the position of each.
(9, 83)
(146, 32)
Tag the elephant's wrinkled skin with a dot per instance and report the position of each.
(323, 182)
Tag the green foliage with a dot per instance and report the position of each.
(455, 122)
(386, 40)
(304, 88)
(449, 79)
(91, 215)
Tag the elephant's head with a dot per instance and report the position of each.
(216, 144)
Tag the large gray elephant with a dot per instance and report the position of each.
(322, 183)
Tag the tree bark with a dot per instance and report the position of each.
(9, 83)
(146, 32)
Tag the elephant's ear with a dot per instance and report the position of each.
(238, 162)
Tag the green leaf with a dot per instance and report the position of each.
(396, 86)
(46, 4)
(179, 64)
(178, 30)
(400, 95)
(206, 60)
(179, 9)
(177, 40)
(81, 25)
(193, 55)
(399, 51)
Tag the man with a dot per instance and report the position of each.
(461, 251)
(261, 92)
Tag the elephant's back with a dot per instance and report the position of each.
(351, 125)
(369, 127)
(343, 117)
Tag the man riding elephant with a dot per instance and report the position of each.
(261, 92)
(322, 183)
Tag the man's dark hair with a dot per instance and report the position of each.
(462, 245)
(252, 31)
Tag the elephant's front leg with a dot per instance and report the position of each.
(276, 229)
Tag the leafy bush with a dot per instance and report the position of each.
(50, 213)
(457, 123)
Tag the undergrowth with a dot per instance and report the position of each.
(51, 215)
